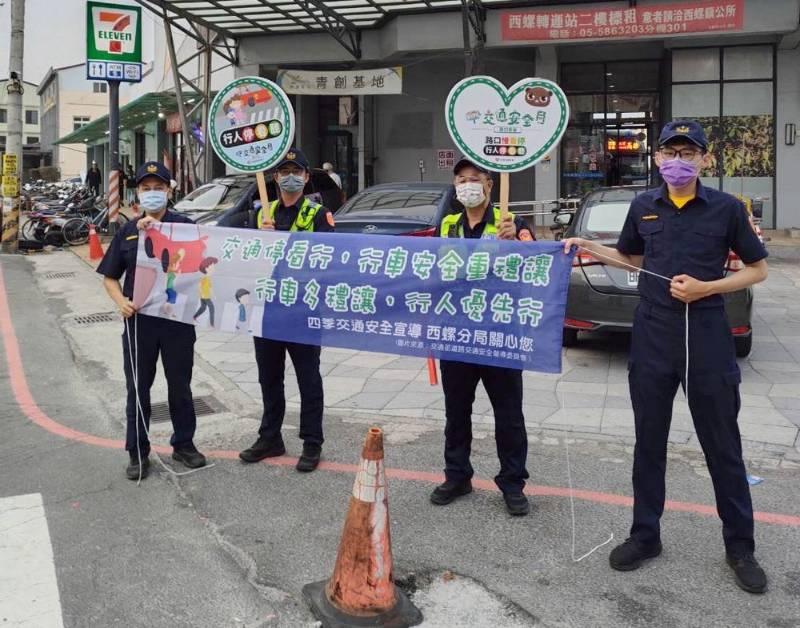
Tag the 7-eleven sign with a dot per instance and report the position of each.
(113, 32)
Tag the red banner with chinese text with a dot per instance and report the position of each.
(612, 23)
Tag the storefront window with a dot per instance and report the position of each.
(609, 140)
(698, 64)
(737, 114)
(747, 62)
(633, 76)
(583, 77)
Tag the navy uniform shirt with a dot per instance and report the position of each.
(285, 217)
(120, 258)
(476, 232)
(694, 240)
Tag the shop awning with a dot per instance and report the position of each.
(135, 114)
(243, 18)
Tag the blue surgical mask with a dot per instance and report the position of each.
(291, 182)
(153, 201)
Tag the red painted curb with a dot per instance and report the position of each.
(28, 406)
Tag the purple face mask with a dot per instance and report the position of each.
(677, 172)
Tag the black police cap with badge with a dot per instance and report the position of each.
(153, 169)
(688, 130)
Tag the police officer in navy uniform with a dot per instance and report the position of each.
(173, 340)
(290, 212)
(685, 231)
(479, 219)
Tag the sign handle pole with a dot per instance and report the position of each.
(504, 185)
(262, 194)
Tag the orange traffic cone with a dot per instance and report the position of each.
(361, 591)
(95, 248)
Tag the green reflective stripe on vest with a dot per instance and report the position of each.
(452, 226)
(305, 217)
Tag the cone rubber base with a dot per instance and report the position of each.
(403, 615)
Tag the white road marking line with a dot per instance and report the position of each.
(28, 585)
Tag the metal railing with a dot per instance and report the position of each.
(541, 213)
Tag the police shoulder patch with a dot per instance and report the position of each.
(331, 221)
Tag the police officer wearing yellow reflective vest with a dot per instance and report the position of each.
(291, 212)
(479, 219)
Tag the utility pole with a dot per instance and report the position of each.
(208, 154)
(12, 160)
(187, 132)
(113, 162)
(465, 28)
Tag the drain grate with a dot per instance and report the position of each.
(159, 412)
(99, 317)
(66, 275)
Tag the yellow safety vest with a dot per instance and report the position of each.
(452, 226)
(304, 220)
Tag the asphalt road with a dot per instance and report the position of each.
(233, 545)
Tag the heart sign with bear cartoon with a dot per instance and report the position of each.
(506, 129)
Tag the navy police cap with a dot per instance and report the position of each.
(294, 156)
(683, 129)
(463, 162)
(153, 169)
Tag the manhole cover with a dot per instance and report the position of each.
(159, 412)
(58, 275)
(99, 317)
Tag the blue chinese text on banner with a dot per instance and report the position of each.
(484, 301)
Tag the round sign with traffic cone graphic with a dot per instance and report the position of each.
(361, 591)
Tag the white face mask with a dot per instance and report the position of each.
(470, 194)
(152, 201)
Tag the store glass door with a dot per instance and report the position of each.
(613, 125)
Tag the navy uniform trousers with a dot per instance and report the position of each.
(271, 361)
(504, 387)
(656, 370)
(175, 342)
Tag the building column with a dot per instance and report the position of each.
(787, 210)
(546, 171)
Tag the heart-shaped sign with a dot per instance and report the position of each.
(506, 129)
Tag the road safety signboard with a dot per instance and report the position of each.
(113, 42)
(506, 129)
(251, 124)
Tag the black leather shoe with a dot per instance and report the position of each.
(189, 457)
(517, 504)
(630, 554)
(132, 472)
(447, 492)
(309, 459)
(749, 574)
(261, 449)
